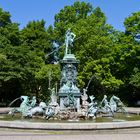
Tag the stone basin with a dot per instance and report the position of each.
(101, 123)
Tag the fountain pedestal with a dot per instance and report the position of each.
(68, 86)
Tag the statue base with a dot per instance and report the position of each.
(69, 66)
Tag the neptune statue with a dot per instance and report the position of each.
(69, 39)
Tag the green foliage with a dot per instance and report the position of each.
(49, 70)
(132, 24)
(135, 78)
(4, 18)
(109, 56)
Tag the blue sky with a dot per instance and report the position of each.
(23, 11)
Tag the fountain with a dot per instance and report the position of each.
(69, 107)
(69, 94)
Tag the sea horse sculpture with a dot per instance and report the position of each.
(24, 107)
(116, 104)
(28, 107)
(92, 107)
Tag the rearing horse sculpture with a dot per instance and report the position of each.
(28, 109)
(24, 107)
(116, 104)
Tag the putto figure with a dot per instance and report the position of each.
(69, 39)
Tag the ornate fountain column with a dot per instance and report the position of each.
(68, 81)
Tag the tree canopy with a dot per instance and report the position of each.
(29, 57)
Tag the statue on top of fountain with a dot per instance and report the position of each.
(69, 39)
(69, 66)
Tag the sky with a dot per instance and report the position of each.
(23, 11)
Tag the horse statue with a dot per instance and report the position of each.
(104, 106)
(50, 112)
(28, 107)
(116, 104)
(40, 110)
(24, 107)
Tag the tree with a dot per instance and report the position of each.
(10, 71)
(108, 58)
(48, 77)
(126, 59)
(4, 18)
(34, 36)
(132, 26)
(93, 44)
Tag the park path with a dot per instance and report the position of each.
(13, 134)
(70, 137)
